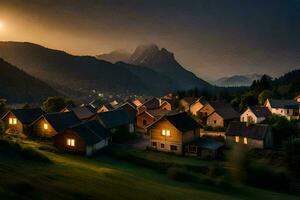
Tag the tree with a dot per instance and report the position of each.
(26, 106)
(56, 104)
(3, 107)
(264, 95)
(248, 99)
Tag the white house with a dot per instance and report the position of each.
(255, 114)
(286, 108)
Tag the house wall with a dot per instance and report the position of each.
(102, 109)
(90, 149)
(166, 106)
(185, 105)
(38, 129)
(215, 120)
(206, 110)
(60, 141)
(252, 143)
(13, 128)
(248, 116)
(288, 113)
(190, 135)
(175, 137)
(194, 108)
(144, 116)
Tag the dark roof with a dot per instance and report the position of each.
(91, 132)
(276, 103)
(206, 144)
(90, 107)
(255, 131)
(224, 110)
(115, 118)
(190, 100)
(62, 120)
(182, 121)
(260, 111)
(153, 103)
(26, 116)
(82, 112)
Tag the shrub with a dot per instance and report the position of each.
(179, 174)
(35, 155)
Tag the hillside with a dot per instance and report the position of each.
(115, 56)
(17, 86)
(77, 177)
(237, 80)
(86, 73)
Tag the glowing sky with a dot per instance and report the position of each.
(212, 38)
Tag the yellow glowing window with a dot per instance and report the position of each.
(237, 139)
(245, 140)
(45, 126)
(71, 142)
(167, 132)
(163, 132)
(12, 121)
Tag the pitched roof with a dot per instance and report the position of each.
(26, 116)
(115, 118)
(182, 121)
(156, 113)
(224, 109)
(206, 144)
(81, 112)
(62, 120)
(260, 111)
(91, 132)
(255, 131)
(153, 103)
(190, 100)
(277, 103)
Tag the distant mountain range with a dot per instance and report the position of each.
(17, 86)
(115, 56)
(149, 70)
(237, 80)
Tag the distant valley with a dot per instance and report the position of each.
(237, 80)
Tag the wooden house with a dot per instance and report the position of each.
(82, 112)
(116, 120)
(51, 124)
(254, 136)
(171, 132)
(17, 121)
(220, 114)
(85, 138)
(148, 117)
(192, 104)
(105, 108)
(156, 103)
(286, 108)
(255, 114)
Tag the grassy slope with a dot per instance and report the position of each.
(102, 177)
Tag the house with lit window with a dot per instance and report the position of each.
(171, 132)
(116, 120)
(156, 103)
(255, 114)
(192, 104)
(82, 112)
(286, 108)
(148, 117)
(254, 136)
(85, 138)
(49, 125)
(129, 108)
(17, 121)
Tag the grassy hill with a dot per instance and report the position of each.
(103, 177)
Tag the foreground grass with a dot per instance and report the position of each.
(103, 177)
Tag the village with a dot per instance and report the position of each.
(189, 126)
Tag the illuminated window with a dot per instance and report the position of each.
(165, 132)
(237, 139)
(71, 142)
(245, 140)
(12, 121)
(45, 126)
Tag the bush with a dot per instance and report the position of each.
(34, 155)
(179, 174)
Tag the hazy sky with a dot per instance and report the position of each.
(212, 38)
